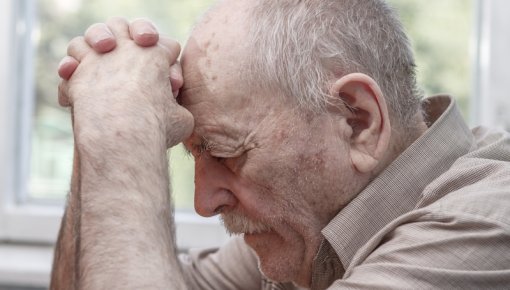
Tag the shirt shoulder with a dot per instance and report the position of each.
(458, 235)
(432, 248)
(427, 254)
(477, 183)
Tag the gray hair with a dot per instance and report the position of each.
(301, 46)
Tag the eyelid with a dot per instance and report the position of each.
(197, 149)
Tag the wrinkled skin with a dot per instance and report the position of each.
(146, 68)
(264, 160)
(124, 119)
(276, 173)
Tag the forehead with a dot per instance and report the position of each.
(214, 90)
(211, 57)
(213, 87)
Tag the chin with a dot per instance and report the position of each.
(281, 260)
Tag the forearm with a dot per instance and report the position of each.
(124, 119)
(65, 261)
(126, 236)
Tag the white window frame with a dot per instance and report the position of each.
(27, 227)
(491, 70)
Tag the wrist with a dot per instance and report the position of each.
(120, 133)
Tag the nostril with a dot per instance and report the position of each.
(213, 201)
(219, 209)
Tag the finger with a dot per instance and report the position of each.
(63, 98)
(119, 27)
(67, 66)
(176, 79)
(78, 48)
(180, 127)
(143, 32)
(100, 38)
(172, 46)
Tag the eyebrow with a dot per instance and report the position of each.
(204, 145)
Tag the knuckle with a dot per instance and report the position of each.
(63, 98)
(186, 122)
(142, 21)
(117, 21)
(170, 42)
(172, 48)
(174, 43)
(75, 45)
(175, 70)
(95, 28)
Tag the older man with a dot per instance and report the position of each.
(309, 140)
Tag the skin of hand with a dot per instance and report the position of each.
(99, 37)
(124, 119)
(125, 66)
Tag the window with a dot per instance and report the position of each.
(35, 133)
(39, 144)
(441, 34)
(461, 48)
(55, 22)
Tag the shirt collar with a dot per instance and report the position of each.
(398, 188)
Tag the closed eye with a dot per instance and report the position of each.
(207, 149)
(219, 159)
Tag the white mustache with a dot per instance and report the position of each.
(239, 224)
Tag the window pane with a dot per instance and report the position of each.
(441, 34)
(57, 22)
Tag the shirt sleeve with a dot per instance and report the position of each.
(436, 251)
(233, 266)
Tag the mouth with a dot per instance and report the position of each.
(237, 224)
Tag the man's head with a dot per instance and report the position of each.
(291, 122)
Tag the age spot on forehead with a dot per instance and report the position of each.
(207, 44)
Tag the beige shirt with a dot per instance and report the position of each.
(437, 218)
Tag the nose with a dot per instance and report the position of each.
(212, 190)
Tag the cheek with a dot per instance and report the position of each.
(284, 187)
(312, 184)
(273, 171)
(290, 187)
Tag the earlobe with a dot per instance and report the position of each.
(363, 162)
(367, 116)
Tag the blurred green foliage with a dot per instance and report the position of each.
(441, 34)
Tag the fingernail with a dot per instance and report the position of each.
(65, 60)
(102, 37)
(147, 29)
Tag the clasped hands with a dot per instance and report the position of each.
(121, 79)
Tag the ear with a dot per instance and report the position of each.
(367, 117)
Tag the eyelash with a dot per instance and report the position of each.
(200, 149)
